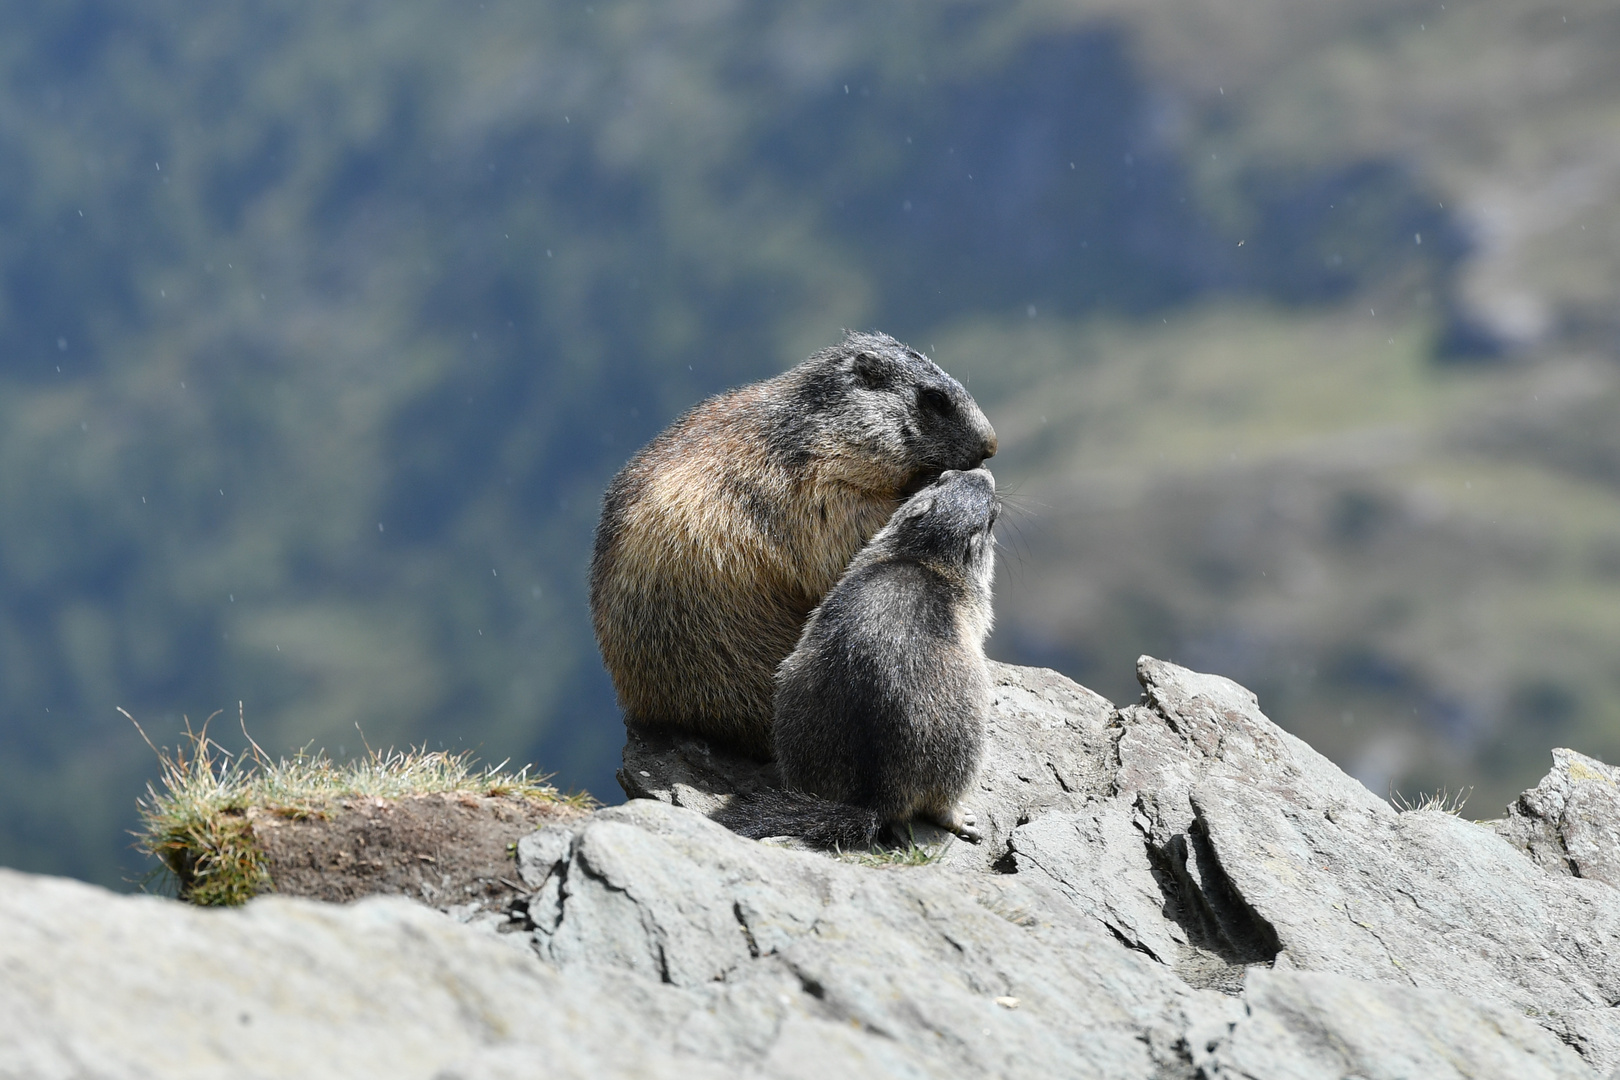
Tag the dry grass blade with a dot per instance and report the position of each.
(1444, 801)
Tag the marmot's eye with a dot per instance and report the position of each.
(935, 401)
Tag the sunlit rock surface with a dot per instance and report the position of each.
(1172, 889)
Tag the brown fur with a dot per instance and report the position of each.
(719, 537)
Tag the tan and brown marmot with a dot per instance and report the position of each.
(720, 536)
(880, 710)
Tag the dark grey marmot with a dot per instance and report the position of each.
(722, 534)
(880, 710)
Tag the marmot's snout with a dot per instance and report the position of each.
(976, 477)
(981, 436)
(978, 438)
(970, 495)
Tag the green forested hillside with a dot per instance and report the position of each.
(323, 326)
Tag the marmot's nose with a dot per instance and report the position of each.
(990, 445)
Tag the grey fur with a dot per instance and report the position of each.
(881, 706)
(721, 535)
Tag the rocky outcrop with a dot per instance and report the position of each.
(1570, 822)
(97, 985)
(1173, 889)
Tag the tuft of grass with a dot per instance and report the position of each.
(1444, 801)
(911, 854)
(194, 820)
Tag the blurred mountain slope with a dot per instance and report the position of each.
(322, 328)
(1510, 109)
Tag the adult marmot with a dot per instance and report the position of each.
(720, 536)
(880, 710)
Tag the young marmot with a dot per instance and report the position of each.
(720, 536)
(880, 710)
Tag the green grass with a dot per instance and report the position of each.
(910, 853)
(195, 821)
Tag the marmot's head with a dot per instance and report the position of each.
(947, 525)
(886, 417)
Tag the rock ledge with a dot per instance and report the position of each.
(1172, 889)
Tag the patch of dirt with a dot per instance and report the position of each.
(445, 850)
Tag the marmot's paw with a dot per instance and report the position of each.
(967, 826)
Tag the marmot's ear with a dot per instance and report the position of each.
(871, 371)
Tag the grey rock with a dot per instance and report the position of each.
(1594, 1033)
(1096, 858)
(1047, 748)
(661, 764)
(1300, 1026)
(540, 853)
(95, 985)
(1421, 898)
(1570, 822)
(757, 936)
(1296, 860)
(1171, 890)
(1196, 833)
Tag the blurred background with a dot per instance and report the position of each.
(323, 326)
